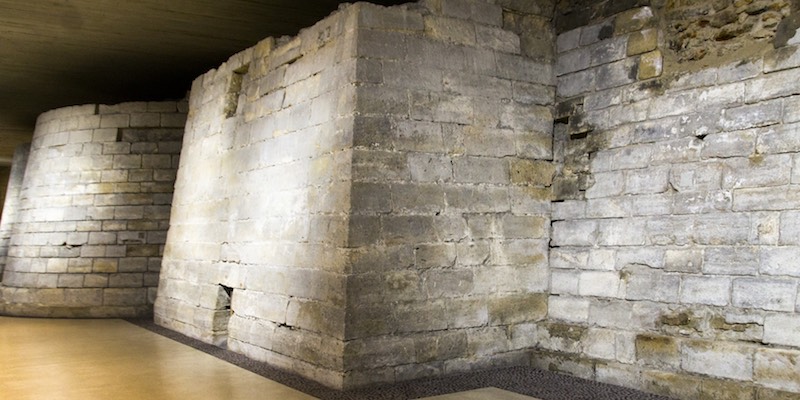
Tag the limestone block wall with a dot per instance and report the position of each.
(256, 256)
(93, 211)
(450, 192)
(674, 237)
(369, 201)
(11, 203)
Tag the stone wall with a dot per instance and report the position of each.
(674, 237)
(369, 201)
(93, 211)
(256, 255)
(450, 191)
(447, 186)
(11, 201)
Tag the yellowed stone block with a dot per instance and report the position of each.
(633, 20)
(778, 369)
(529, 172)
(651, 65)
(642, 42)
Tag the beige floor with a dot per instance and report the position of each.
(482, 394)
(113, 359)
(57, 359)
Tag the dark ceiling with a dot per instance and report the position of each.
(56, 53)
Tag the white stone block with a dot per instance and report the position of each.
(782, 329)
(599, 283)
(600, 344)
(705, 290)
(602, 259)
(606, 184)
(784, 260)
(765, 294)
(652, 285)
(574, 233)
(564, 282)
(571, 309)
(718, 359)
(622, 232)
(790, 228)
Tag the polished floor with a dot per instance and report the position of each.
(113, 359)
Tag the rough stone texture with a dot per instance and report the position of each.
(675, 232)
(91, 216)
(698, 29)
(394, 194)
(694, 30)
(368, 201)
(11, 204)
(256, 254)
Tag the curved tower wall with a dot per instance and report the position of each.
(11, 203)
(93, 211)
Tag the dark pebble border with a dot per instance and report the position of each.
(529, 381)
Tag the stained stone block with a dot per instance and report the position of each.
(651, 65)
(518, 309)
(783, 58)
(658, 351)
(595, 33)
(633, 20)
(642, 42)
(772, 86)
(777, 369)
(607, 51)
(529, 172)
(617, 73)
(672, 384)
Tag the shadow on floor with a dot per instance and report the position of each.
(524, 380)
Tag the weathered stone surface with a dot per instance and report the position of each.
(718, 359)
(389, 211)
(706, 290)
(767, 294)
(651, 65)
(658, 351)
(633, 20)
(403, 223)
(569, 309)
(777, 369)
(642, 42)
(108, 174)
(782, 329)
